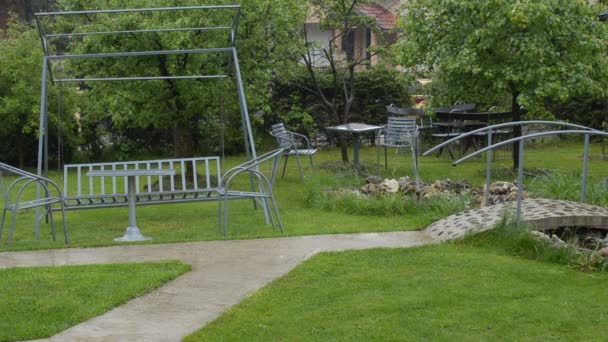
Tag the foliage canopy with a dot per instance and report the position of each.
(532, 50)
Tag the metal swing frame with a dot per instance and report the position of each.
(230, 51)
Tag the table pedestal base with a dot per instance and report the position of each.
(132, 234)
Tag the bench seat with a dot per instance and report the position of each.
(110, 191)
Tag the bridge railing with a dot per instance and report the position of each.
(586, 131)
(489, 130)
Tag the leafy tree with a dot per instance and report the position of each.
(20, 72)
(342, 17)
(531, 50)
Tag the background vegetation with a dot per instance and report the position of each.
(185, 118)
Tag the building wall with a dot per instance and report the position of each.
(321, 39)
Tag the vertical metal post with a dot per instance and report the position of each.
(131, 200)
(356, 153)
(585, 164)
(247, 132)
(249, 143)
(42, 138)
(520, 182)
(488, 168)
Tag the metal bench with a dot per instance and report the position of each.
(195, 180)
(18, 195)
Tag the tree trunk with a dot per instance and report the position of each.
(517, 129)
(343, 147)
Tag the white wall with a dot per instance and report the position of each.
(317, 36)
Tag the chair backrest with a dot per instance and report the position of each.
(253, 166)
(12, 178)
(284, 138)
(400, 131)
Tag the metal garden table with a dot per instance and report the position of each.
(355, 129)
(132, 233)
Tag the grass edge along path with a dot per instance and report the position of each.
(38, 302)
(445, 292)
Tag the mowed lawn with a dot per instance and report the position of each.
(439, 293)
(198, 221)
(38, 302)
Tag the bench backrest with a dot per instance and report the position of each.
(191, 175)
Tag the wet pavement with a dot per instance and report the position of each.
(223, 273)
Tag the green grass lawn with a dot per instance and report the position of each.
(39, 302)
(198, 221)
(451, 292)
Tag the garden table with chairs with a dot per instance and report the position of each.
(453, 123)
(356, 129)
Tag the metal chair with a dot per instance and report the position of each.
(261, 189)
(292, 143)
(13, 198)
(399, 133)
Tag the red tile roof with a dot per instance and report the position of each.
(385, 18)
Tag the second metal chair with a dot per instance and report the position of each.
(294, 144)
(399, 133)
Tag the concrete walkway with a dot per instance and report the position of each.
(223, 273)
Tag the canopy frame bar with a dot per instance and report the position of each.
(185, 29)
(143, 78)
(139, 53)
(131, 10)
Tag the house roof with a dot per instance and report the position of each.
(385, 18)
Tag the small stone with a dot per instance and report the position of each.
(405, 184)
(557, 241)
(370, 189)
(604, 252)
(390, 186)
(437, 185)
(373, 180)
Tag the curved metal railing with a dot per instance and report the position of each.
(587, 132)
(490, 130)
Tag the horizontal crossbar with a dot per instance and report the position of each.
(131, 10)
(185, 29)
(139, 53)
(150, 78)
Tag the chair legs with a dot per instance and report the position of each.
(50, 216)
(378, 161)
(271, 213)
(10, 232)
(285, 165)
(65, 226)
(2, 224)
(299, 165)
(51, 220)
(414, 160)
